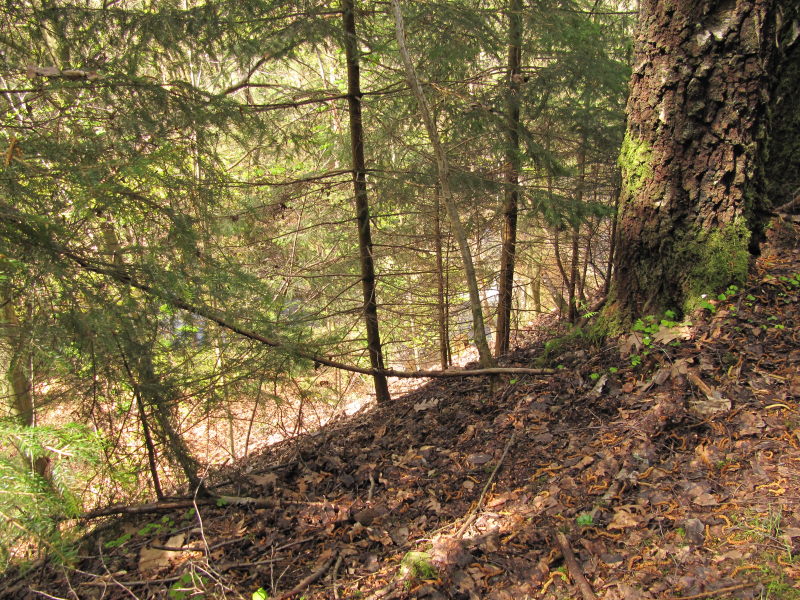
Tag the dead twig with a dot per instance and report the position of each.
(334, 574)
(152, 507)
(574, 568)
(709, 593)
(473, 513)
(307, 581)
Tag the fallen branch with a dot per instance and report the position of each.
(714, 403)
(33, 71)
(473, 513)
(200, 311)
(574, 568)
(153, 507)
(307, 581)
(20, 220)
(709, 593)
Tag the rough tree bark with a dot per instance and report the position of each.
(362, 204)
(486, 360)
(693, 206)
(511, 176)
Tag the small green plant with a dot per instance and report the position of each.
(584, 520)
(260, 594)
(150, 528)
(594, 376)
(188, 585)
(33, 506)
(613, 370)
(731, 291)
(636, 360)
(418, 565)
(707, 305)
(117, 542)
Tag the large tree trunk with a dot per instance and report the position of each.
(511, 197)
(693, 207)
(486, 360)
(362, 205)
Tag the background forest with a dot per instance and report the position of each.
(188, 236)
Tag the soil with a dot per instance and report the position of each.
(664, 464)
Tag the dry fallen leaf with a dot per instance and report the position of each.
(479, 458)
(705, 499)
(623, 519)
(265, 480)
(426, 404)
(665, 335)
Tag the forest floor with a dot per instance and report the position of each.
(663, 465)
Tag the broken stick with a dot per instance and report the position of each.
(574, 568)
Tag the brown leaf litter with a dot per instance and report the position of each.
(675, 478)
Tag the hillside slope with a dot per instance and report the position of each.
(670, 470)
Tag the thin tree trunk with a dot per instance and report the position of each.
(573, 273)
(486, 359)
(613, 241)
(511, 193)
(563, 308)
(536, 288)
(441, 313)
(362, 204)
(153, 392)
(18, 381)
(140, 365)
(576, 228)
(19, 384)
(148, 439)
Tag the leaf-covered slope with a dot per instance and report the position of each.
(618, 477)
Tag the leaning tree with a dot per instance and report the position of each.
(705, 93)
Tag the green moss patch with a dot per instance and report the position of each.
(635, 160)
(721, 258)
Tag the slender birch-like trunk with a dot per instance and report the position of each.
(486, 359)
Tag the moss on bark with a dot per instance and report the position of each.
(635, 160)
(720, 258)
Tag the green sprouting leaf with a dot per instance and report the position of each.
(708, 306)
(260, 594)
(115, 543)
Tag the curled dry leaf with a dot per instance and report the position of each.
(624, 519)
